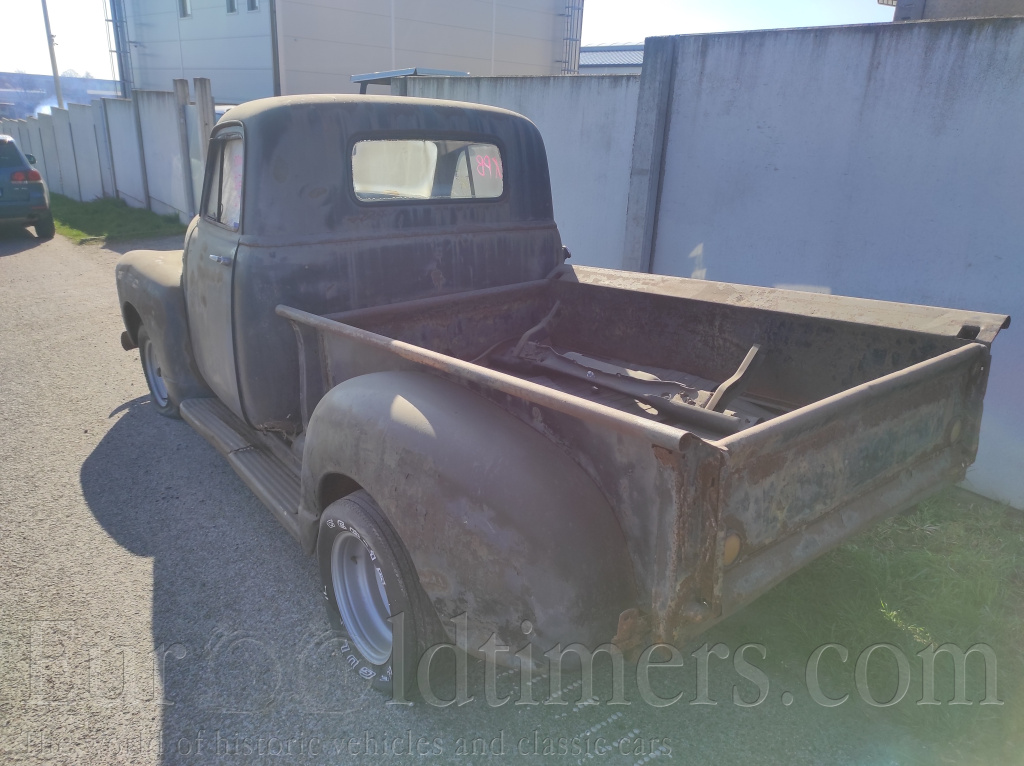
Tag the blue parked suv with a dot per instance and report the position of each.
(24, 198)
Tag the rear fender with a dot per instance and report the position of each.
(499, 522)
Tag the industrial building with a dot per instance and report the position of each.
(255, 48)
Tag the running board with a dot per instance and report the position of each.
(275, 484)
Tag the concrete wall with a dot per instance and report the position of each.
(880, 161)
(99, 118)
(66, 152)
(196, 153)
(149, 151)
(168, 172)
(87, 155)
(914, 10)
(587, 125)
(48, 142)
(232, 49)
(125, 151)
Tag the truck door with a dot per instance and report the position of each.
(209, 267)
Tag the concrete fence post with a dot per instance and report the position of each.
(181, 97)
(102, 131)
(652, 117)
(142, 153)
(206, 112)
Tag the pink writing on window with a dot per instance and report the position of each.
(488, 166)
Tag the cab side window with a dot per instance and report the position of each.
(224, 182)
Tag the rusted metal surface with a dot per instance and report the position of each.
(664, 396)
(784, 473)
(654, 432)
(878, 435)
(447, 467)
(836, 308)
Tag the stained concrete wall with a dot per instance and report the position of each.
(99, 118)
(48, 141)
(880, 161)
(125, 151)
(587, 125)
(87, 153)
(196, 150)
(66, 152)
(167, 170)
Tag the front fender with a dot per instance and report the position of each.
(499, 522)
(149, 292)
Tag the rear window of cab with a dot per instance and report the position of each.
(426, 169)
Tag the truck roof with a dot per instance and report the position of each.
(298, 152)
(256, 110)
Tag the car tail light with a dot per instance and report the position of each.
(21, 176)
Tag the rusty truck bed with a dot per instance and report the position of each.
(738, 432)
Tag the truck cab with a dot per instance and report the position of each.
(308, 202)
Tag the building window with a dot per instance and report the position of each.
(232, 6)
(254, 5)
(184, 8)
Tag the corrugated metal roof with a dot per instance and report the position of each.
(611, 55)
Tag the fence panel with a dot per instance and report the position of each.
(87, 155)
(126, 155)
(66, 153)
(48, 141)
(165, 166)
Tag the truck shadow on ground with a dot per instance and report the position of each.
(237, 620)
(250, 671)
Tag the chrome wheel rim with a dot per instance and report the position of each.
(360, 595)
(154, 378)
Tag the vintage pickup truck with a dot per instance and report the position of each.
(373, 322)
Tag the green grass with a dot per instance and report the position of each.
(109, 220)
(950, 570)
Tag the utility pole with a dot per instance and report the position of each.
(53, 57)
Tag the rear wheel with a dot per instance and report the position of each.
(152, 366)
(45, 228)
(368, 579)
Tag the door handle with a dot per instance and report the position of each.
(223, 260)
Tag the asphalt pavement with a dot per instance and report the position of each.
(153, 612)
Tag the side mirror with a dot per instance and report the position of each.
(31, 159)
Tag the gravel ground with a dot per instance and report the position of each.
(152, 611)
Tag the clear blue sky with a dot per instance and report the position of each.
(82, 41)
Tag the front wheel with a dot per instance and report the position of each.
(152, 367)
(368, 582)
